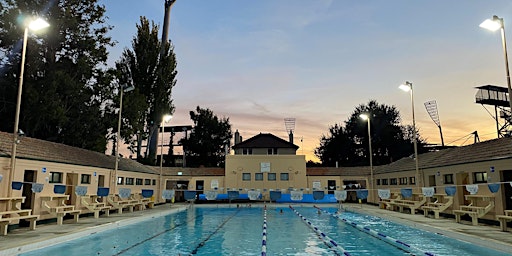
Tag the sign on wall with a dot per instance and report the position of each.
(265, 167)
(317, 185)
(215, 184)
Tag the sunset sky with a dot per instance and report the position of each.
(258, 62)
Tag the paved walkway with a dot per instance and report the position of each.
(23, 240)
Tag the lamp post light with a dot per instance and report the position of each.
(367, 117)
(34, 25)
(122, 89)
(494, 24)
(165, 119)
(407, 87)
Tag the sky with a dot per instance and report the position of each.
(259, 62)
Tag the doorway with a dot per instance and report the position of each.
(29, 177)
(101, 181)
(507, 177)
(331, 186)
(462, 180)
(71, 183)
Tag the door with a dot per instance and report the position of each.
(71, 183)
(28, 178)
(432, 182)
(331, 186)
(101, 181)
(199, 187)
(507, 177)
(462, 181)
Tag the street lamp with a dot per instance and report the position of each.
(407, 87)
(367, 117)
(34, 25)
(494, 24)
(165, 119)
(122, 89)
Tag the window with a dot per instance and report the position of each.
(138, 182)
(284, 176)
(86, 179)
(480, 177)
(154, 182)
(403, 181)
(246, 176)
(392, 181)
(129, 181)
(147, 182)
(378, 181)
(272, 151)
(412, 180)
(55, 177)
(258, 176)
(384, 181)
(120, 180)
(448, 179)
(247, 151)
(271, 176)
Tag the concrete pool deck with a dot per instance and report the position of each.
(23, 240)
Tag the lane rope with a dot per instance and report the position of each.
(390, 240)
(326, 239)
(264, 234)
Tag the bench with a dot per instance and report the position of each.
(91, 203)
(4, 222)
(473, 210)
(120, 204)
(411, 204)
(503, 219)
(55, 204)
(440, 205)
(145, 202)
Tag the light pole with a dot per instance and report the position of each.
(165, 119)
(367, 117)
(122, 90)
(407, 87)
(34, 25)
(494, 24)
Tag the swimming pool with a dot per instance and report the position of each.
(239, 231)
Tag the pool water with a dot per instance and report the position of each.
(238, 231)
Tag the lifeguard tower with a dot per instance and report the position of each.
(498, 97)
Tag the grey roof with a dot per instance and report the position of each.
(265, 140)
(479, 152)
(36, 149)
(340, 171)
(187, 171)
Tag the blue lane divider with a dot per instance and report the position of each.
(327, 240)
(264, 239)
(395, 242)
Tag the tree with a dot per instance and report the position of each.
(65, 83)
(208, 139)
(154, 75)
(349, 145)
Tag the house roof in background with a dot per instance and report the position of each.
(265, 140)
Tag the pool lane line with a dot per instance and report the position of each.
(327, 240)
(158, 234)
(390, 240)
(264, 238)
(202, 243)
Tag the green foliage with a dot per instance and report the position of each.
(154, 75)
(349, 145)
(207, 141)
(65, 84)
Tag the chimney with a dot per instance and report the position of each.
(237, 137)
(290, 136)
